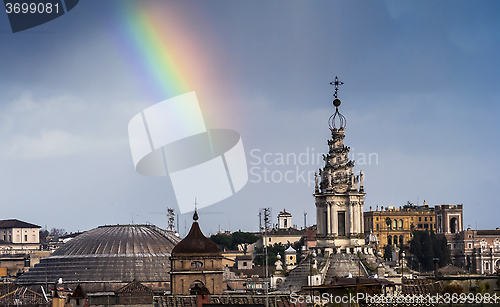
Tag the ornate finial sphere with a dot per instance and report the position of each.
(195, 215)
(336, 102)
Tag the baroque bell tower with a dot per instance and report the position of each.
(339, 193)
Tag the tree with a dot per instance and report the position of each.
(57, 232)
(243, 239)
(225, 242)
(234, 240)
(272, 253)
(425, 246)
(43, 234)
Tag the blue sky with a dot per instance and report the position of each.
(421, 94)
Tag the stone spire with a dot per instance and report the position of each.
(339, 200)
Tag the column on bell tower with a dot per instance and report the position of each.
(328, 220)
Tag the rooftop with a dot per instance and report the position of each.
(196, 243)
(13, 223)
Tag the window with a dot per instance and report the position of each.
(401, 240)
(412, 218)
(426, 226)
(394, 224)
(431, 218)
(469, 245)
(420, 219)
(196, 264)
(420, 226)
(377, 219)
(425, 219)
(389, 240)
(341, 221)
(25, 238)
(400, 224)
(285, 223)
(245, 263)
(453, 225)
(377, 227)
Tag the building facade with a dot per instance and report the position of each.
(284, 220)
(19, 232)
(394, 226)
(449, 218)
(476, 250)
(284, 233)
(196, 263)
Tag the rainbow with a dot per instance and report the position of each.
(169, 50)
(153, 43)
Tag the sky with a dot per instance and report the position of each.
(421, 99)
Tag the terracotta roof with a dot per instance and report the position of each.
(451, 270)
(196, 243)
(342, 282)
(488, 232)
(244, 257)
(288, 231)
(13, 223)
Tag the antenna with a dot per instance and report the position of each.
(171, 219)
(178, 229)
(305, 219)
(264, 219)
(265, 223)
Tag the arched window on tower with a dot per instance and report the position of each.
(453, 225)
(400, 224)
(394, 224)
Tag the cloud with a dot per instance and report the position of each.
(34, 129)
(52, 143)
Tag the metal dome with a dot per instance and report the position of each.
(109, 254)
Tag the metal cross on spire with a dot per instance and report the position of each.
(336, 83)
(336, 102)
